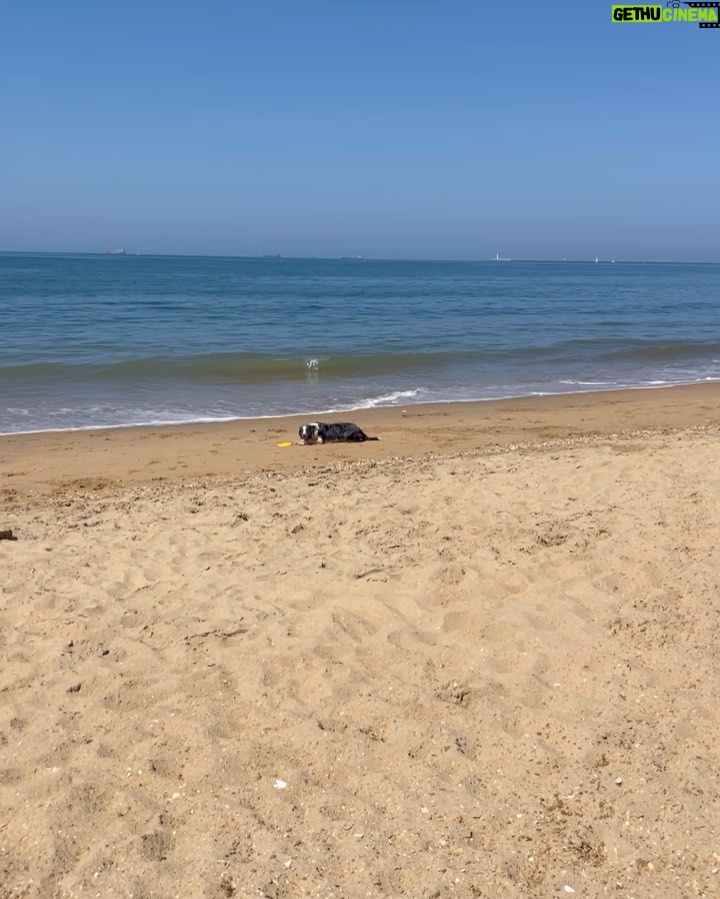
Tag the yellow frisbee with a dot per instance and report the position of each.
(285, 443)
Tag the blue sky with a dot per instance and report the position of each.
(397, 129)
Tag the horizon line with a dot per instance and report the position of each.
(275, 257)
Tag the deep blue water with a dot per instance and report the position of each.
(94, 341)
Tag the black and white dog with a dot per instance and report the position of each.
(337, 432)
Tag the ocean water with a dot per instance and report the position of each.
(102, 341)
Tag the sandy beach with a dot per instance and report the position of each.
(476, 658)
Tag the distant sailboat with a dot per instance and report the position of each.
(596, 259)
(499, 258)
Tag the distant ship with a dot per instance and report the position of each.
(119, 252)
(499, 258)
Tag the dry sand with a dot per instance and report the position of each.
(476, 659)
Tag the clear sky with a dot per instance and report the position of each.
(402, 128)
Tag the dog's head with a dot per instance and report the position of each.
(309, 433)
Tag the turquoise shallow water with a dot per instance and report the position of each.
(97, 341)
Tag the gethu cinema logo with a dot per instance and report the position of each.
(705, 14)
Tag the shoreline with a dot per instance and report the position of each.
(100, 458)
(346, 412)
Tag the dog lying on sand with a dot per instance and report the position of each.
(336, 432)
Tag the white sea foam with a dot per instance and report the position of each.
(572, 383)
(391, 399)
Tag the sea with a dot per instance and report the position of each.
(98, 341)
